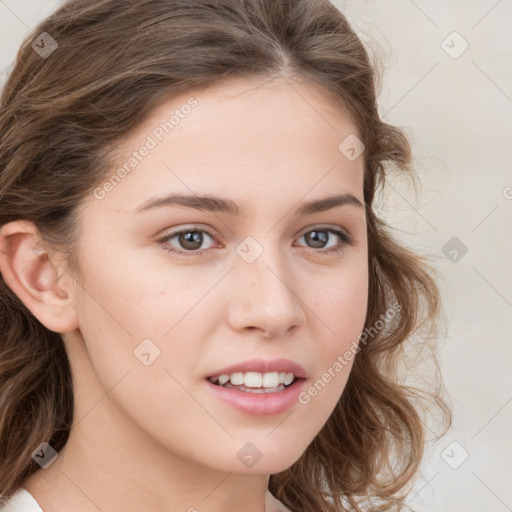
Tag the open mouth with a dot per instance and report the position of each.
(254, 382)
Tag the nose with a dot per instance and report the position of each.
(263, 298)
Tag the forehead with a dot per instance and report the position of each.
(267, 103)
(237, 136)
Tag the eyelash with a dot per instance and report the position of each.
(346, 240)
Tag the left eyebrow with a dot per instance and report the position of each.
(328, 203)
(218, 204)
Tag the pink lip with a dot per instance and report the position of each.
(259, 404)
(263, 366)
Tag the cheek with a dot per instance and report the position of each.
(340, 304)
(124, 320)
(129, 299)
(135, 314)
(340, 313)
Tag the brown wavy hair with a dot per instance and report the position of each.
(61, 117)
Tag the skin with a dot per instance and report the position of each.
(153, 437)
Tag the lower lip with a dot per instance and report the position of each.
(259, 404)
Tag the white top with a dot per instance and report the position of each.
(21, 501)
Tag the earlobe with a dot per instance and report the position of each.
(30, 272)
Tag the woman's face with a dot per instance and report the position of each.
(161, 312)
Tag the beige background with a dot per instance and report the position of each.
(456, 107)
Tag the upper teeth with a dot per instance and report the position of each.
(256, 379)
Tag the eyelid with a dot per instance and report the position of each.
(185, 228)
(327, 227)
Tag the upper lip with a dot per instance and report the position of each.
(263, 366)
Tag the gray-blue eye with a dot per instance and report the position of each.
(320, 237)
(191, 240)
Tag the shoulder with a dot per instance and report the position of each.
(20, 501)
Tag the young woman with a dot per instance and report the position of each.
(200, 309)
